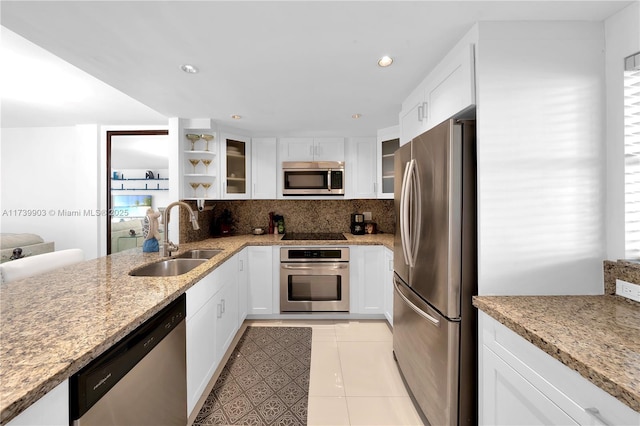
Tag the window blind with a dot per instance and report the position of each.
(632, 155)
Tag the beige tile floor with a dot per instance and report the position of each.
(354, 379)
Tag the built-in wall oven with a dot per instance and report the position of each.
(314, 279)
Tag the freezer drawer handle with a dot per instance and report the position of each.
(417, 310)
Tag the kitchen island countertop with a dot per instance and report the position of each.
(54, 324)
(597, 336)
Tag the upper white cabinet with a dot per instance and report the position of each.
(447, 90)
(521, 384)
(235, 166)
(388, 143)
(199, 164)
(264, 168)
(311, 149)
(361, 168)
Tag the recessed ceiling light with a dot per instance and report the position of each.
(356, 116)
(385, 61)
(189, 69)
(236, 117)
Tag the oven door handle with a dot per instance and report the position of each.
(318, 265)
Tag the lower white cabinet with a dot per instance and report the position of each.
(212, 321)
(260, 295)
(366, 271)
(387, 285)
(521, 384)
(50, 410)
(226, 301)
(243, 284)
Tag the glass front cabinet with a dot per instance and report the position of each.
(235, 167)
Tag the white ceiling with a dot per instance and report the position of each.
(288, 68)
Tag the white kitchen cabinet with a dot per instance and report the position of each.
(387, 285)
(212, 321)
(264, 168)
(260, 297)
(243, 284)
(201, 338)
(235, 167)
(311, 149)
(226, 301)
(448, 90)
(387, 144)
(366, 278)
(200, 164)
(50, 410)
(361, 163)
(521, 384)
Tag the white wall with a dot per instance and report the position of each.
(622, 34)
(51, 169)
(540, 97)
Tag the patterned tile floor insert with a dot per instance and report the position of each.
(265, 381)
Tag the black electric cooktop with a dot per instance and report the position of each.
(313, 236)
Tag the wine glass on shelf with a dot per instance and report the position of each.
(195, 186)
(206, 162)
(193, 138)
(194, 162)
(207, 138)
(206, 186)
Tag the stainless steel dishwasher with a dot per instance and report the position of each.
(141, 380)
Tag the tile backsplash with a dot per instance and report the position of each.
(299, 216)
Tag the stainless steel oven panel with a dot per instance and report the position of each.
(311, 255)
(329, 295)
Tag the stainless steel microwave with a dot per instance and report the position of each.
(313, 177)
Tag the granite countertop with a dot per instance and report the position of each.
(597, 336)
(53, 324)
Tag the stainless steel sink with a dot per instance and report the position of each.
(167, 268)
(199, 254)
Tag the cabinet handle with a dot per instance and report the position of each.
(311, 150)
(422, 111)
(593, 411)
(219, 314)
(223, 306)
(241, 265)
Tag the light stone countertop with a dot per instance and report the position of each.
(597, 336)
(53, 324)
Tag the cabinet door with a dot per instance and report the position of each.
(243, 284)
(507, 398)
(366, 279)
(50, 410)
(226, 301)
(386, 171)
(235, 167)
(296, 149)
(265, 168)
(453, 87)
(201, 350)
(414, 115)
(387, 285)
(260, 297)
(361, 157)
(328, 149)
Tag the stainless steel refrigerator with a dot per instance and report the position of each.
(434, 323)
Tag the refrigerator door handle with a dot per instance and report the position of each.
(416, 205)
(410, 214)
(417, 310)
(404, 205)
